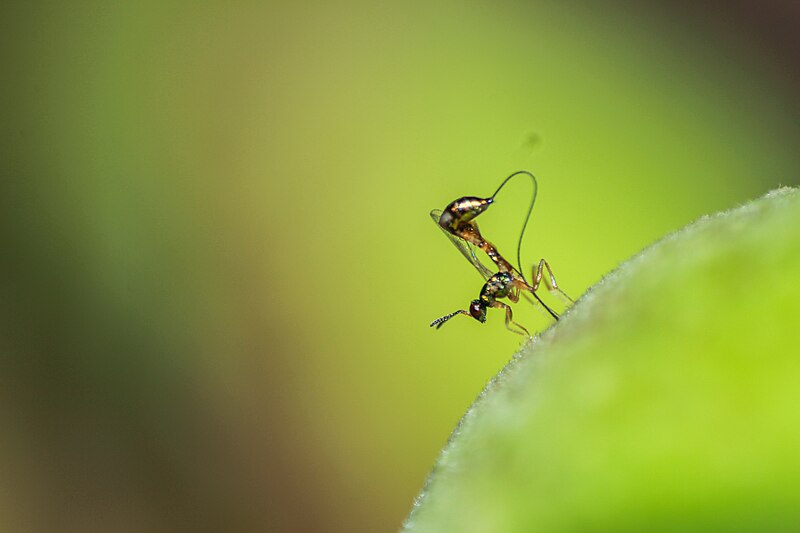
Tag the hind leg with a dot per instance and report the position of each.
(550, 282)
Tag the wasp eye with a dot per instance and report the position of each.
(477, 310)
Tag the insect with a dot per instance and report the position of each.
(457, 222)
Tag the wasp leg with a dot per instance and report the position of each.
(509, 319)
(441, 320)
(550, 283)
(532, 297)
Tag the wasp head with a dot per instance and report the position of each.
(477, 309)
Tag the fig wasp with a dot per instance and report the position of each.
(458, 224)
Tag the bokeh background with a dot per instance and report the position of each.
(217, 266)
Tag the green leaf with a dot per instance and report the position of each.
(666, 399)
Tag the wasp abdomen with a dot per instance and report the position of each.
(463, 210)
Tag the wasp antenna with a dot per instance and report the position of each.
(441, 320)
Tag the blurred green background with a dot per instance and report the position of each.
(218, 269)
